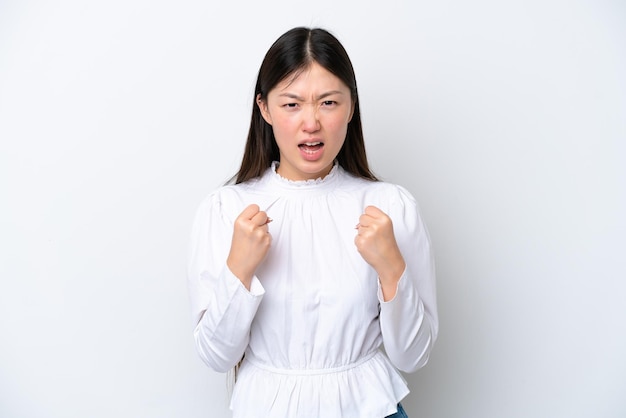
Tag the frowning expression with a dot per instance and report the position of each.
(309, 115)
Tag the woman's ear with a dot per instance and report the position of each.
(263, 108)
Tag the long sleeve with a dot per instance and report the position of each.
(311, 325)
(222, 308)
(409, 322)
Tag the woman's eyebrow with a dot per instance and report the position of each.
(330, 93)
(320, 97)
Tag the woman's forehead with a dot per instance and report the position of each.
(313, 76)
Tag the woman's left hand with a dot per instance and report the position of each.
(377, 244)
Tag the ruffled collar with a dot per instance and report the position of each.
(330, 178)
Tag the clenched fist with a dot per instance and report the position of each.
(250, 244)
(377, 244)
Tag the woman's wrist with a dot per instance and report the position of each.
(389, 276)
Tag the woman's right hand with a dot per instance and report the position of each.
(250, 244)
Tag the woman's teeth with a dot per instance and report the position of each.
(311, 147)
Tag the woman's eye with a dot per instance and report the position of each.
(329, 103)
(291, 105)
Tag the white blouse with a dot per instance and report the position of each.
(314, 322)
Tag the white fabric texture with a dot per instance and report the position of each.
(314, 322)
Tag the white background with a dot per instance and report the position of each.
(507, 120)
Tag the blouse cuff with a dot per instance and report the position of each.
(256, 288)
(400, 284)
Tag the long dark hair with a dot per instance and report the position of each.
(292, 53)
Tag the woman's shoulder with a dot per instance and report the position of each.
(224, 193)
(233, 197)
(379, 190)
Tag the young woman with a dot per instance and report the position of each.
(308, 266)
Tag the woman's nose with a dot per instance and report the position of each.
(310, 119)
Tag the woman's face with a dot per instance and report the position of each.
(309, 115)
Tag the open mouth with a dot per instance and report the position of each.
(311, 147)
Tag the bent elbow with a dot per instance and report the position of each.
(219, 357)
(213, 358)
(415, 366)
(417, 355)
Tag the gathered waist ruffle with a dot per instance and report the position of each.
(369, 387)
(309, 372)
